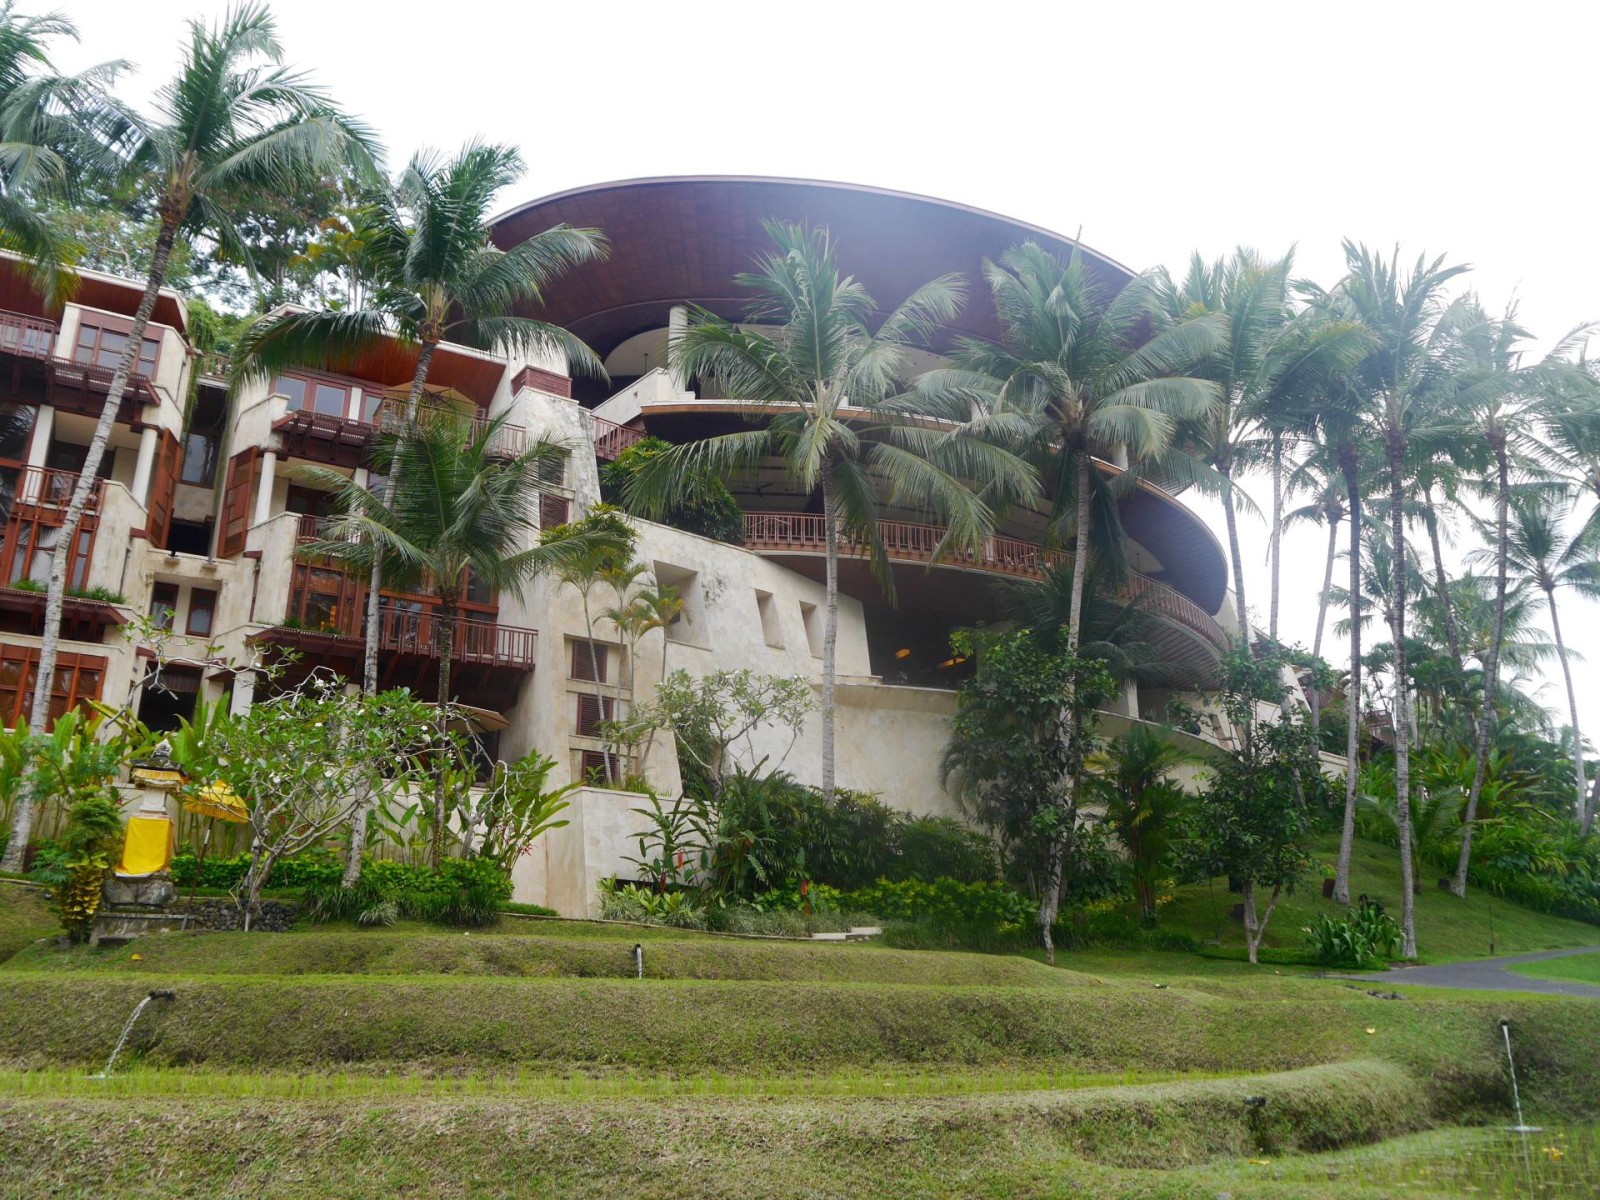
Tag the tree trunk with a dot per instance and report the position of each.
(1275, 537)
(1349, 466)
(1441, 586)
(369, 671)
(1491, 666)
(1235, 558)
(1255, 931)
(1402, 728)
(1572, 706)
(830, 632)
(1050, 893)
(62, 559)
(446, 642)
(1322, 620)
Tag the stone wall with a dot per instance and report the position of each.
(220, 913)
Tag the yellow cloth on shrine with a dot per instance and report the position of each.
(146, 847)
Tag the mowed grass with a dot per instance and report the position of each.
(1448, 929)
(25, 916)
(1580, 968)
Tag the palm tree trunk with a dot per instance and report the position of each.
(1491, 666)
(369, 671)
(1067, 785)
(1441, 588)
(1402, 728)
(1572, 706)
(1275, 539)
(1235, 558)
(1322, 620)
(830, 632)
(1349, 466)
(62, 559)
(445, 638)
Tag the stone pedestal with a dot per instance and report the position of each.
(152, 891)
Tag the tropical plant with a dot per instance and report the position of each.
(702, 504)
(460, 515)
(1368, 937)
(1131, 777)
(823, 379)
(232, 123)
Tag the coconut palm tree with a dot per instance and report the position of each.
(232, 124)
(1317, 477)
(1548, 550)
(461, 514)
(435, 277)
(824, 379)
(1404, 377)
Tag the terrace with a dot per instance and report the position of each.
(34, 373)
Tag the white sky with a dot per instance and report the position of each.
(1158, 128)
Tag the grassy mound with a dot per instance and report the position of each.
(352, 952)
(24, 917)
(1079, 1144)
(1581, 968)
(1448, 929)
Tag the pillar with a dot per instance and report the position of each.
(244, 693)
(269, 469)
(149, 439)
(677, 323)
(38, 452)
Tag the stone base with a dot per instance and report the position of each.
(152, 891)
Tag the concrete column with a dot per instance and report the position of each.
(38, 451)
(244, 693)
(1130, 698)
(145, 466)
(677, 322)
(269, 469)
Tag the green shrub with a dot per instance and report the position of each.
(1368, 937)
(528, 910)
(946, 902)
(310, 869)
(702, 502)
(467, 892)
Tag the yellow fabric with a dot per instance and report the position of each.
(218, 800)
(146, 848)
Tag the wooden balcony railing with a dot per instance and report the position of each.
(509, 440)
(611, 439)
(25, 336)
(403, 631)
(44, 488)
(908, 541)
(314, 528)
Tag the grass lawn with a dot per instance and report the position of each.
(1448, 929)
(1581, 968)
(25, 917)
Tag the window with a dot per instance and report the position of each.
(592, 711)
(202, 612)
(321, 396)
(165, 704)
(163, 604)
(199, 459)
(594, 768)
(767, 607)
(589, 661)
(101, 345)
(552, 510)
(812, 620)
(78, 680)
(552, 470)
(689, 627)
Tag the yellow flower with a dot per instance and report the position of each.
(1372, 1029)
(138, 958)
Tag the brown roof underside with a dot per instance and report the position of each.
(674, 240)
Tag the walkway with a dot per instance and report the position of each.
(1490, 975)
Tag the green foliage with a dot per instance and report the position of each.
(515, 809)
(714, 718)
(468, 892)
(701, 504)
(646, 906)
(311, 868)
(1539, 861)
(1367, 938)
(1132, 780)
(946, 903)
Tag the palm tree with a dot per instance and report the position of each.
(1548, 550)
(829, 379)
(1403, 378)
(231, 125)
(53, 137)
(461, 514)
(1317, 477)
(435, 277)
(1132, 778)
(1272, 358)
(1079, 374)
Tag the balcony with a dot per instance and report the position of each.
(39, 376)
(611, 439)
(347, 441)
(778, 533)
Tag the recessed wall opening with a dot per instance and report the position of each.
(690, 626)
(911, 647)
(167, 701)
(811, 618)
(771, 630)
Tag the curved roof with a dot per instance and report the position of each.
(685, 238)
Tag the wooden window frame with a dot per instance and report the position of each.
(16, 703)
(156, 589)
(584, 665)
(315, 379)
(594, 711)
(210, 609)
(104, 324)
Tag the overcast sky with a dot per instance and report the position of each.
(1156, 128)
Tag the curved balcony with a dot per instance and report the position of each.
(780, 533)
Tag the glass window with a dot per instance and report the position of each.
(294, 388)
(199, 459)
(202, 611)
(330, 400)
(163, 604)
(103, 348)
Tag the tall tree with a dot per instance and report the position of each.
(1402, 376)
(461, 514)
(232, 123)
(839, 427)
(1132, 779)
(1317, 477)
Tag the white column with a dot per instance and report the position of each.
(677, 323)
(269, 468)
(38, 452)
(1130, 698)
(145, 466)
(244, 693)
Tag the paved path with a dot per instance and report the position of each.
(1490, 975)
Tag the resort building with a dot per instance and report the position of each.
(198, 523)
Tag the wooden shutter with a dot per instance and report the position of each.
(79, 678)
(552, 510)
(595, 767)
(163, 488)
(592, 710)
(244, 468)
(589, 663)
